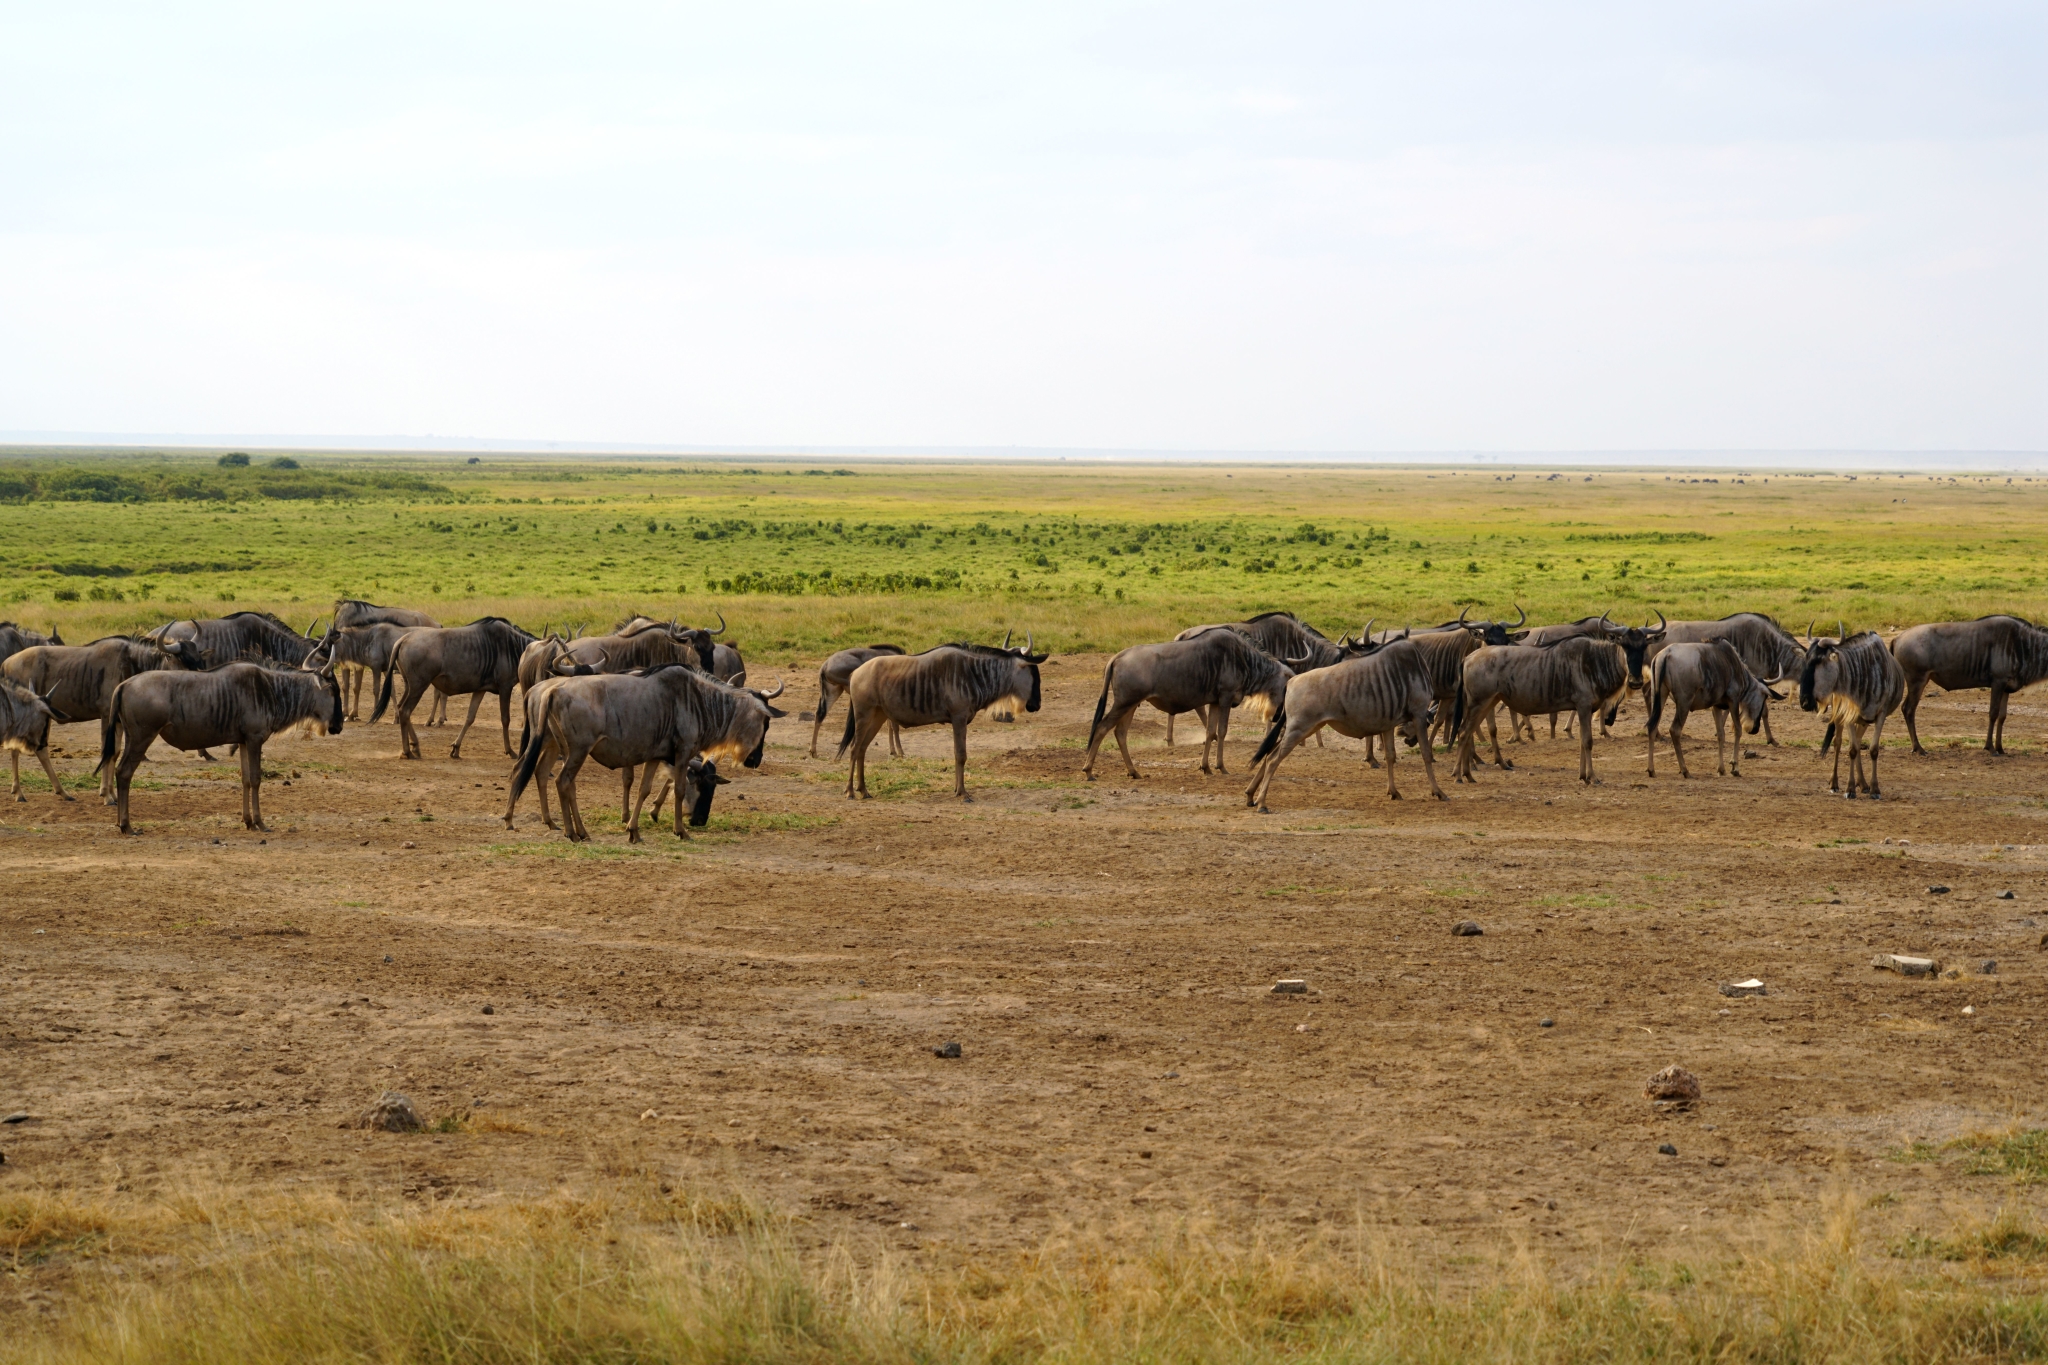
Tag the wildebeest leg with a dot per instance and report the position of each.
(505, 722)
(1915, 685)
(408, 738)
(1220, 715)
(1994, 725)
(252, 785)
(960, 760)
(1169, 729)
(1586, 745)
(1393, 747)
(1678, 718)
(1841, 734)
(1371, 758)
(1123, 746)
(437, 709)
(1770, 740)
(476, 700)
(626, 812)
(565, 788)
(1262, 771)
(1115, 721)
(1428, 764)
(895, 740)
(1720, 716)
(827, 694)
(135, 747)
(1500, 760)
(865, 729)
(1876, 742)
(548, 756)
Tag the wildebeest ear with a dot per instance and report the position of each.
(1517, 636)
(774, 714)
(1036, 658)
(1774, 695)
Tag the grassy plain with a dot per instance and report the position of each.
(807, 556)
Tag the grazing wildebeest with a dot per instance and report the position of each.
(480, 657)
(240, 635)
(352, 613)
(25, 721)
(1768, 650)
(1705, 674)
(360, 652)
(1581, 674)
(1384, 691)
(642, 644)
(832, 679)
(946, 685)
(1859, 684)
(666, 716)
(79, 680)
(14, 639)
(1211, 672)
(2003, 653)
(240, 703)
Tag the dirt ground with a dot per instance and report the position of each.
(762, 1003)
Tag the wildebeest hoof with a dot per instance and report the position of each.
(455, 751)
(1393, 796)
(1440, 796)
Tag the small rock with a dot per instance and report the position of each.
(2005, 896)
(646, 1114)
(1952, 974)
(1717, 1161)
(1969, 1009)
(1546, 1023)
(1467, 928)
(1937, 890)
(1988, 967)
(1290, 986)
(1144, 1156)
(1666, 1149)
(1749, 987)
(1171, 1076)
(408, 844)
(1301, 1028)
(489, 1010)
(387, 957)
(1906, 966)
(20, 1116)
(392, 1113)
(948, 1050)
(1673, 1083)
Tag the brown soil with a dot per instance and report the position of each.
(763, 1003)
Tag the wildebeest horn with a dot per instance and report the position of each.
(771, 696)
(1027, 642)
(1809, 632)
(1521, 617)
(1365, 636)
(1463, 614)
(1006, 638)
(1841, 629)
(721, 625)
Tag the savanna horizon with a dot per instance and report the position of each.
(802, 557)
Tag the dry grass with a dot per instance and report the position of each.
(639, 1271)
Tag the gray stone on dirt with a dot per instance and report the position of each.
(20, 1116)
(1673, 1083)
(1666, 1149)
(1546, 1023)
(2005, 896)
(947, 1050)
(1467, 928)
(392, 1113)
(1937, 890)
(1988, 967)
(1749, 987)
(387, 957)
(488, 1009)
(1290, 986)
(1906, 966)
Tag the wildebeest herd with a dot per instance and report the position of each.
(671, 701)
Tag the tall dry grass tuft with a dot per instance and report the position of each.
(632, 1271)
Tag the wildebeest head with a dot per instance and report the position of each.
(1500, 633)
(749, 732)
(1635, 642)
(701, 776)
(1026, 669)
(28, 725)
(182, 653)
(563, 664)
(1817, 673)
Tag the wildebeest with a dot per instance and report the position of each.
(239, 703)
(79, 680)
(666, 716)
(946, 685)
(352, 613)
(1384, 691)
(1768, 650)
(642, 643)
(480, 657)
(1211, 671)
(239, 635)
(1581, 674)
(1859, 683)
(2003, 653)
(1284, 637)
(1706, 674)
(360, 652)
(832, 679)
(14, 639)
(25, 721)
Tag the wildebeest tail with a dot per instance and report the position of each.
(1458, 712)
(824, 703)
(852, 724)
(1272, 739)
(530, 746)
(110, 732)
(384, 690)
(1656, 691)
(1101, 702)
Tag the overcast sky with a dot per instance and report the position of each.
(1167, 226)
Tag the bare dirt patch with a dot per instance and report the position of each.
(764, 1000)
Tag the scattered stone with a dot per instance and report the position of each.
(1171, 1076)
(1969, 1009)
(1467, 928)
(948, 1050)
(1717, 1161)
(20, 1116)
(1988, 967)
(489, 1010)
(387, 957)
(1937, 890)
(1673, 1083)
(1952, 974)
(1749, 987)
(1906, 966)
(1301, 1028)
(1290, 986)
(2005, 896)
(408, 844)
(392, 1113)
(646, 1114)
(1144, 1156)
(1666, 1149)
(1546, 1023)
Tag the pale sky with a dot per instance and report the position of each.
(1341, 227)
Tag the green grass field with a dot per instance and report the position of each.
(804, 556)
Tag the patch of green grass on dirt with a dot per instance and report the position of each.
(563, 849)
(764, 822)
(1586, 901)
